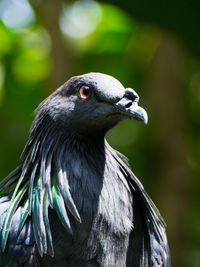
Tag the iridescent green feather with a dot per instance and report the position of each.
(13, 206)
(37, 204)
(19, 182)
(24, 214)
(65, 191)
(30, 190)
(39, 197)
(34, 224)
(59, 205)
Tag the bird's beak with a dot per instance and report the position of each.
(128, 106)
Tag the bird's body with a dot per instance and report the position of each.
(73, 201)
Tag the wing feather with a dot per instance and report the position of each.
(39, 198)
(59, 205)
(64, 188)
(47, 225)
(12, 208)
(153, 224)
(34, 223)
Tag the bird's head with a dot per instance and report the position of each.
(91, 104)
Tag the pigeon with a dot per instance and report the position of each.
(73, 199)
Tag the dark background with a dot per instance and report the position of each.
(151, 46)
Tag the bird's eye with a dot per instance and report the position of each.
(85, 92)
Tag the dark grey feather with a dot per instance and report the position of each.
(47, 225)
(30, 190)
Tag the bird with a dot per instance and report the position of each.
(73, 199)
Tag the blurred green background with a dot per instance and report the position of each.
(151, 46)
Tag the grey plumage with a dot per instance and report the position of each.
(73, 201)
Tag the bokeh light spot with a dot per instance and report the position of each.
(80, 19)
(16, 14)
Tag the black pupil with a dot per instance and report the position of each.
(86, 90)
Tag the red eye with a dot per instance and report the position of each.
(85, 92)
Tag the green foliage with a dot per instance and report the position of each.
(119, 45)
